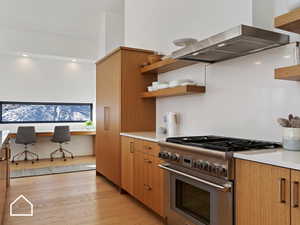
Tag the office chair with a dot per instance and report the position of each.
(61, 136)
(26, 136)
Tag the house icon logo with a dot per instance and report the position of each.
(27, 205)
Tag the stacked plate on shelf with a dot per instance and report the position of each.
(175, 83)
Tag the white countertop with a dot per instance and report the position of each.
(147, 136)
(278, 157)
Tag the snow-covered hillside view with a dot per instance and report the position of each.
(44, 113)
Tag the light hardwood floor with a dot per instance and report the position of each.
(77, 199)
(57, 162)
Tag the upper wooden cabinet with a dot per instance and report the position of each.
(263, 195)
(119, 107)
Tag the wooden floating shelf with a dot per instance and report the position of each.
(176, 91)
(166, 65)
(289, 21)
(288, 73)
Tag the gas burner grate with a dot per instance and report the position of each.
(223, 143)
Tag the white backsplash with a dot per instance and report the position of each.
(242, 98)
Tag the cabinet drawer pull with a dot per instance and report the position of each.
(282, 190)
(147, 147)
(131, 147)
(106, 118)
(147, 187)
(147, 161)
(295, 194)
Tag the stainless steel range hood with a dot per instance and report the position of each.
(238, 41)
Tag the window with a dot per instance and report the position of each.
(29, 112)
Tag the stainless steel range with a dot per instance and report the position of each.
(200, 178)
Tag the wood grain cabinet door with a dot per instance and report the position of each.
(156, 183)
(262, 194)
(127, 155)
(295, 202)
(140, 172)
(108, 113)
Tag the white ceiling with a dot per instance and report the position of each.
(77, 18)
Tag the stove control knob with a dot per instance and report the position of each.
(215, 168)
(222, 171)
(198, 164)
(205, 165)
(164, 155)
(175, 157)
(160, 155)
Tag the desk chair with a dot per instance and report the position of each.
(61, 136)
(26, 136)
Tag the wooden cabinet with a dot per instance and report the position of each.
(266, 195)
(4, 178)
(295, 202)
(147, 178)
(262, 194)
(127, 164)
(119, 107)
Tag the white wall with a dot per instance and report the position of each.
(48, 80)
(155, 24)
(243, 99)
(111, 33)
(114, 34)
(13, 40)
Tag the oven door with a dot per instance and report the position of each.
(193, 201)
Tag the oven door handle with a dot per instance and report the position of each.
(226, 188)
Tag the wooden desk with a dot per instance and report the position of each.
(50, 133)
(73, 133)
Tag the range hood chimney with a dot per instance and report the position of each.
(241, 40)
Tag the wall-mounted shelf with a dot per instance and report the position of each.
(289, 21)
(288, 73)
(166, 65)
(176, 91)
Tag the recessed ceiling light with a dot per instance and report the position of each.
(287, 56)
(25, 55)
(258, 63)
(74, 60)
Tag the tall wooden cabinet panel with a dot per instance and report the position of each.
(119, 107)
(262, 194)
(108, 117)
(295, 203)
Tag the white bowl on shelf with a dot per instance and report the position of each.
(150, 89)
(163, 86)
